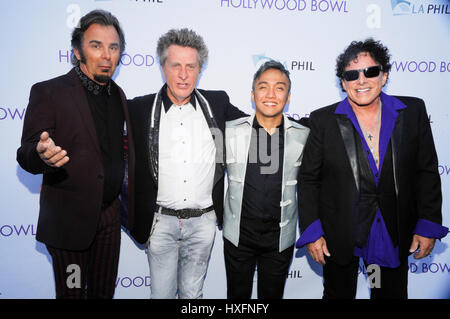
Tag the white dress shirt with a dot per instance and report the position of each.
(186, 158)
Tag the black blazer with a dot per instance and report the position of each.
(329, 177)
(71, 196)
(146, 185)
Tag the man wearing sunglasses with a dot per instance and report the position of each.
(369, 179)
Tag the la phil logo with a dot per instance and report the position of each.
(402, 7)
(139, 60)
(293, 65)
(339, 6)
(292, 274)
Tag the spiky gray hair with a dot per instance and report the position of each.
(185, 38)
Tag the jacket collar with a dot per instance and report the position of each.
(167, 103)
(390, 104)
(155, 118)
(91, 86)
(249, 120)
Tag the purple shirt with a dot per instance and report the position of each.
(378, 248)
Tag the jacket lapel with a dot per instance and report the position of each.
(153, 143)
(396, 140)
(294, 142)
(80, 101)
(217, 136)
(346, 129)
(238, 136)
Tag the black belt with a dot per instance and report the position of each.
(185, 212)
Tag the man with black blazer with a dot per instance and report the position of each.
(73, 134)
(179, 168)
(369, 181)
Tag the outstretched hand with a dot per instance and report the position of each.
(51, 154)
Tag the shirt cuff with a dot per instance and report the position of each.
(313, 232)
(429, 229)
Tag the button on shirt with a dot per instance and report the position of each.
(186, 157)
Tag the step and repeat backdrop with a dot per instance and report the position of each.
(305, 35)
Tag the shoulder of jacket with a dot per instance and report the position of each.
(144, 99)
(409, 100)
(325, 109)
(60, 82)
(236, 122)
(297, 125)
(212, 93)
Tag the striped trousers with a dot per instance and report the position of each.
(90, 273)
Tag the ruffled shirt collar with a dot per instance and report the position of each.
(91, 86)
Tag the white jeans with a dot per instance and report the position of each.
(178, 253)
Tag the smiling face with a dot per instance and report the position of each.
(271, 93)
(181, 71)
(364, 92)
(100, 53)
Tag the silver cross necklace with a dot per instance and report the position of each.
(372, 135)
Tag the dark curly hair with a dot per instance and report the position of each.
(376, 49)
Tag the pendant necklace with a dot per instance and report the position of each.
(372, 134)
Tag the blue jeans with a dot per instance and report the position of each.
(178, 253)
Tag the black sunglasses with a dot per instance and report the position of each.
(369, 72)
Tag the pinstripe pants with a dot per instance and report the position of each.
(90, 273)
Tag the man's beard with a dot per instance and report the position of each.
(97, 77)
(102, 78)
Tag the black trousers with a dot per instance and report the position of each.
(90, 273)
(340, 281)
(258, 248)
